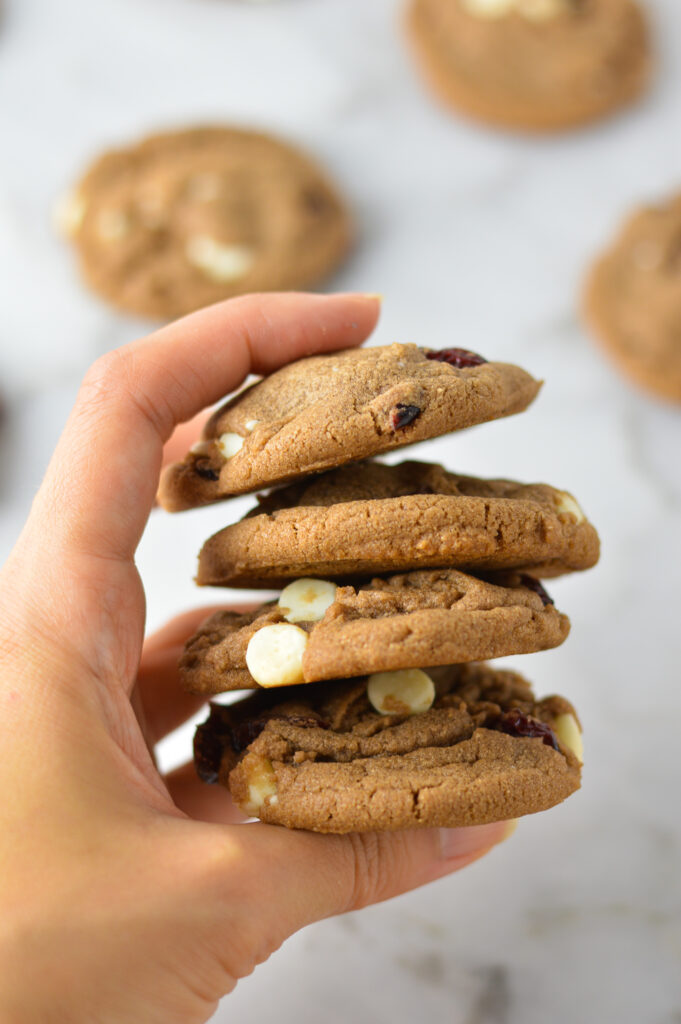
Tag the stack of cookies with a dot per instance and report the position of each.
(373, 707)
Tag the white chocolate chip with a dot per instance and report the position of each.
(541, 10)
(112, 225)
(566, 503)
(488, 8)
(262, 785)
(274, 655)
(251, 425)
(405, 692)
(230, 444)
(68, 213)
(307, 600)
(569, 734)
(219, 261)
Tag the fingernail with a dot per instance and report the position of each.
(374, 295)
(462, 842)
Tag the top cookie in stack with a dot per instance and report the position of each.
(371, 557)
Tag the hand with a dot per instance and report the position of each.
(125, 896)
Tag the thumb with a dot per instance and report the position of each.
(275, 881)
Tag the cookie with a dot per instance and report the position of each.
(532, 65)
(184, 219)
(327, 410)
(368, 518)
(318, 631)
(633, 299)
(466, 745)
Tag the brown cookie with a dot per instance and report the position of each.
(532, 65)
(633, 299)
(187, 218)
(317, 631)
(322, 757)
(328, 410)
(369, 518)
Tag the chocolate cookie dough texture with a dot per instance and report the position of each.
(352, 756)
(317, 631)
(633, 299)
(185, 219)
(532, 65)
(363, 517)
(373, 708)
(324, 411)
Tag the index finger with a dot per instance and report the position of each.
(101, 482)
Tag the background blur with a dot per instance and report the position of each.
(479, 240)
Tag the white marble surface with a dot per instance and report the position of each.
(476, 239)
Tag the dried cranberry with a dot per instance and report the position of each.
(458, 357)
(402, 415)
(203, 468)
(517, 723)
(244, 733)
(208, 747)
(532, 584)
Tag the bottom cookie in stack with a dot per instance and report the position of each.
(461, 745)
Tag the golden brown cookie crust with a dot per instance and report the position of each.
(184, 219)
(328, 410)
(330, 763)
(415, 620)
(547, 75)
(632, 299)
(367, 518)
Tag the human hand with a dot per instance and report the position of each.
(125, 896)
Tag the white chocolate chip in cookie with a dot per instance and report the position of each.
(68, 213)
(541, 10)
(251, 425)
(405, 692)
(112, 225)
(262, 784)
(488, 8)
(217, 260)
(569, 734)
(230, 444)
(274, 655)
(566, 503)
(306, 600)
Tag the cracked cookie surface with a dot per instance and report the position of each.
(414, 620)
(532, 65)
(188, 218)
(367, 518)
(633, 299)
(320, 757)
(328, 410)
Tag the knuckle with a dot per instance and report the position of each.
(376, 865)
(108, 371)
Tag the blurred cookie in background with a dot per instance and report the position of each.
(532, 65)
(184, 219)
(633, 299)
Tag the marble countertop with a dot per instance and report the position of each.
(476, 239)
